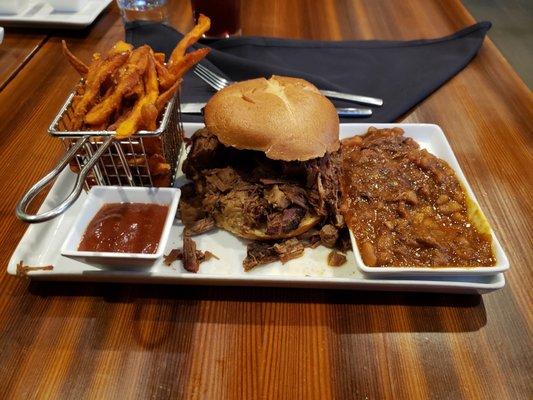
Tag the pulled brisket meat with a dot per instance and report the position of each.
(201, 226)
(259, 193)
(336, 259)
(191, 262)
(264, 252)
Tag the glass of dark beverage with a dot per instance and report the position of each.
(225, 16)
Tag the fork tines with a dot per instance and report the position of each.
(209, 77)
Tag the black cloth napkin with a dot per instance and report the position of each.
(402, 73)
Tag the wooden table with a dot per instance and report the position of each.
(75, 340)
(17, 48)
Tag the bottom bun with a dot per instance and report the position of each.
(234, 226)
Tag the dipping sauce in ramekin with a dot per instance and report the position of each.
(125, 228)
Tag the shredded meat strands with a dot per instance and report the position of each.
(22, 270)
(201, 226)
(336, 259)
(260, 253)
(239, 187)
(193, 262)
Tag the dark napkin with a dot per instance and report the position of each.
(402, 73)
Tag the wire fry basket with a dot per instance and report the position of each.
(148, 158)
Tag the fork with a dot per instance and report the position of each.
(218, 83)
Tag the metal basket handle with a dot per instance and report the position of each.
(74, 194)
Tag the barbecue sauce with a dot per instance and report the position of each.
(125, 228)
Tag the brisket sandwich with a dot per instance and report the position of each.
(266, 168)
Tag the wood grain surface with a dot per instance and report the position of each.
(16, 49)
(111, 341)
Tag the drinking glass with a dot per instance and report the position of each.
(143, 10)
(225, 16)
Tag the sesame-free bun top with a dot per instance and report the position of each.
(286, 118)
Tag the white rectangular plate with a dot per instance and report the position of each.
(40, 14)
(41, 246)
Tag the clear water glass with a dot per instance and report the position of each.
(143, 10)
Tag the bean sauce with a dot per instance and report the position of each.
(406, 207)
(125, 228)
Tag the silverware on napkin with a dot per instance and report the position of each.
(196, 108)
(217, 82)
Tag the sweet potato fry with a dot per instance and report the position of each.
(74, 61)
(160, 57)
(122, 117)
(153, 145)
(89, 94)
(149, 117)
(75, 123)
(190, 59)
(162, 180)
(130, 78)
(158, 165)
(166, 95)
(101, 124)
(125, 89)
(136, 161)
(203, 25)
(80, 88)
(99, 71)
(166, 79)
(129, 126)
(136, 90)
(99, 127)
(120, 47)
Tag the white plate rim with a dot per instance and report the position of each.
(365, 282)
(60, 19)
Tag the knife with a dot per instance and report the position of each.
(346, 112)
